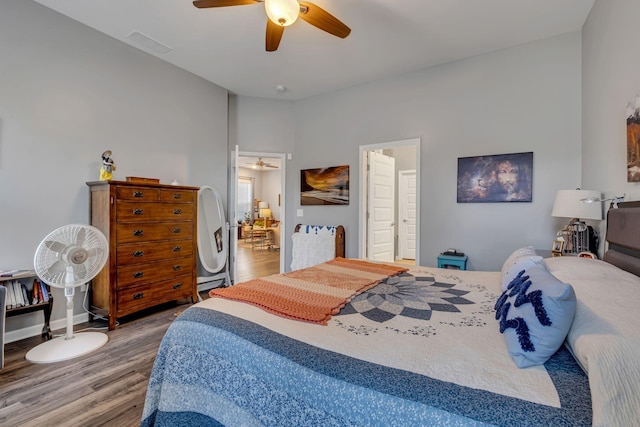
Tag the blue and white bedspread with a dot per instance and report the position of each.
(422, 348)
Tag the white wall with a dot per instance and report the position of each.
(67, 93)
(525, 98)
(271, 181)
(610, 67)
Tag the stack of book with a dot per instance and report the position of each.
(18, 295)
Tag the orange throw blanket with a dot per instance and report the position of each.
(311, 294)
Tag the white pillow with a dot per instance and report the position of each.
(605, 335)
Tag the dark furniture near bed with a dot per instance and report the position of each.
(151, 230)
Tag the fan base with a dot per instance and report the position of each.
(59, 349)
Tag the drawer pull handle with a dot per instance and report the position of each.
(138, 211)
(177, 230)
(138, 232)
(177, 285)
(177, 267)
(177, 249)
(138, 194)
(177, 196)
(177, 211)
(138, 295)
(138, 274)
(138, 254)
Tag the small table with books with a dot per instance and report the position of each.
(26, 294)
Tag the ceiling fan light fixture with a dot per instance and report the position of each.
(282, 12)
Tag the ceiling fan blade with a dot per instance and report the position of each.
(267, 165)
(202, 4)
(274, 34)
(323, 20)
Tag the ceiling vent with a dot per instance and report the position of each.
(148, 42)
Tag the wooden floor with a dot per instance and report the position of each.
(256, 262)
(106, 387)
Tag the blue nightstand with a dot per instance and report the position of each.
(445, 261)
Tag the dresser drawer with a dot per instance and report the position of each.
(138, 193)
(143, 232)
(150, 211)
(140, 253)
(136, 298)
(178, 196)
(138, 274)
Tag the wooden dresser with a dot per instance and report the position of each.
(151, 230)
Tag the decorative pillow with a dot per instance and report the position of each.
(527, 251)
(522, 263)
(535, 313)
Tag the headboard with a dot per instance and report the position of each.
(314, 244)
(623, 235)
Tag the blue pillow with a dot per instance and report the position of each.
(509, 272)
(535, 313)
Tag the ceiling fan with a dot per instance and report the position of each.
(260, 164)
(282, 13)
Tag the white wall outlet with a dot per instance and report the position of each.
(300, 213)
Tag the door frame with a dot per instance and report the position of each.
(283, 199)
(363, 184)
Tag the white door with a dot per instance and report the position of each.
(407, 220)
(233, 222)
(380, 223)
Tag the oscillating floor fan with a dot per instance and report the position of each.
(68, 257)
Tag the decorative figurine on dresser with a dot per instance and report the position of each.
(151, 228)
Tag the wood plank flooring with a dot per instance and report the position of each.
(106, 387)
(256, 262)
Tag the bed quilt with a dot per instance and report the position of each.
(420, 348)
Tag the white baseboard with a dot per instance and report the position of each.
(36, 330)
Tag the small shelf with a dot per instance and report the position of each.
(46, 307)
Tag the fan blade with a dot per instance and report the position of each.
(274, 34)
(80, 236)
(79, 272)
(57, 268)
(94, 252)
(203, 4)
(323, 20)
(267, 165)
(55, 246)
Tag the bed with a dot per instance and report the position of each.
(414, 347)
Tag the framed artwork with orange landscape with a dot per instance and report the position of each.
(633, 140)
(325, 186)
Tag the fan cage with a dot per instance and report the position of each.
(85, 236)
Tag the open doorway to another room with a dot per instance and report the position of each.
(259, 214)
(389, 201)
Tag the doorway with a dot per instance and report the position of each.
(258, 215)
(389, 201)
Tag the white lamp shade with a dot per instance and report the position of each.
(282, 12)
(569, 204)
